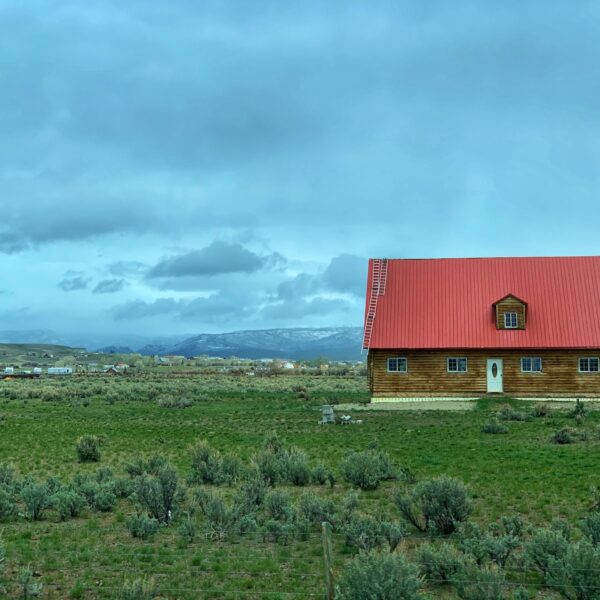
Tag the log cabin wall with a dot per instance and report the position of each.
(427, 373)
(510, 305)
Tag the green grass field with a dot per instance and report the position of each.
(91, 556)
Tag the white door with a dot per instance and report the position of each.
(494, 375)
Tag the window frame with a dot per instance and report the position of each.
(532, 360)
(516, 320)
(457, 359)
(397, 359)
(588, 371)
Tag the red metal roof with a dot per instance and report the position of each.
(448, 303)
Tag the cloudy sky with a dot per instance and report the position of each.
(185, 166)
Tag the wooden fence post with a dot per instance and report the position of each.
(327, 555)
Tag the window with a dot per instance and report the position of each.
(510, 320)
(457, 365)
(531, 364)
(397, 365)
(588, 365)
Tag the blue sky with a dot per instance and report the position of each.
(185, 166)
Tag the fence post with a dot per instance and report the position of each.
(327, 555)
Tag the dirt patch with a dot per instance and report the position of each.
(423, 405)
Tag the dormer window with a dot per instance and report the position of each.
(510, 312)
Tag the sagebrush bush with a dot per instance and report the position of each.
(169, 402)
(187, 528)
(36, 499)
(576, 575)
(578, 409)
(8, 507)
(316, 510)
(319, 474)
(546, 546)
(294, 467)
(367, 468)
(590, 526)
(27, 586)
(541, 410)
(480, 583)
(363, 532)
(436, 505)
(491, 545)
(206, 464)
(379, 577)
(158, 493)
(494, 426)
(142, 526)
(7, 474)
(139, 589)
(441, 563)
(68, 504)
(277, 505)
(88, 448)
(507, 413)
(565, 435)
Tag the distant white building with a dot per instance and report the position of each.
(287, 365)
(9, 371)
(60, 371)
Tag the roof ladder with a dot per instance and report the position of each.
(378, 281)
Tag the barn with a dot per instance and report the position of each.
(464, 328)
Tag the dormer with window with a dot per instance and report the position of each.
(510, 312)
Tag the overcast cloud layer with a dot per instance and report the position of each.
(187, 166)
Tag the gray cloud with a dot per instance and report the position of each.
(216, 305)
(109, 286)
(216, 259)
(346, 273)
(73, 283)
(299, 308)
(124, 268)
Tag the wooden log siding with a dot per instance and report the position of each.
(427, 374)
(510, 305)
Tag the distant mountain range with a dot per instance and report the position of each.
(336, 343)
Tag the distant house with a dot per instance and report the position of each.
(525, 327)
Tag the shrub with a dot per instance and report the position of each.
(319, 474)
(440, 563)
(380, 577)
(578, 410)
(367, 468)
(7, 474)
(174, 402)
(230, 469)
(294, 467)
(220, 519)
(393, 533)
(8, 508)
(488, 545)
(590, 526)
(27, 586)
(142, 526)
(507, 413)
(139, 589)
(157, 493)
(88, 448)
(104, 499)
(68, 503)
(566, 435)
(277, 505)
(546, 546)
(362, 533)
(187, 529)
(494, 426)
(276, 531)
(268, 465)
(206, 464)
(316, 510)
(576, 575)
(36, 499)
(437, 505)
(541, 410)
(486, 583)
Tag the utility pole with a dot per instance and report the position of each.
(327, 554)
